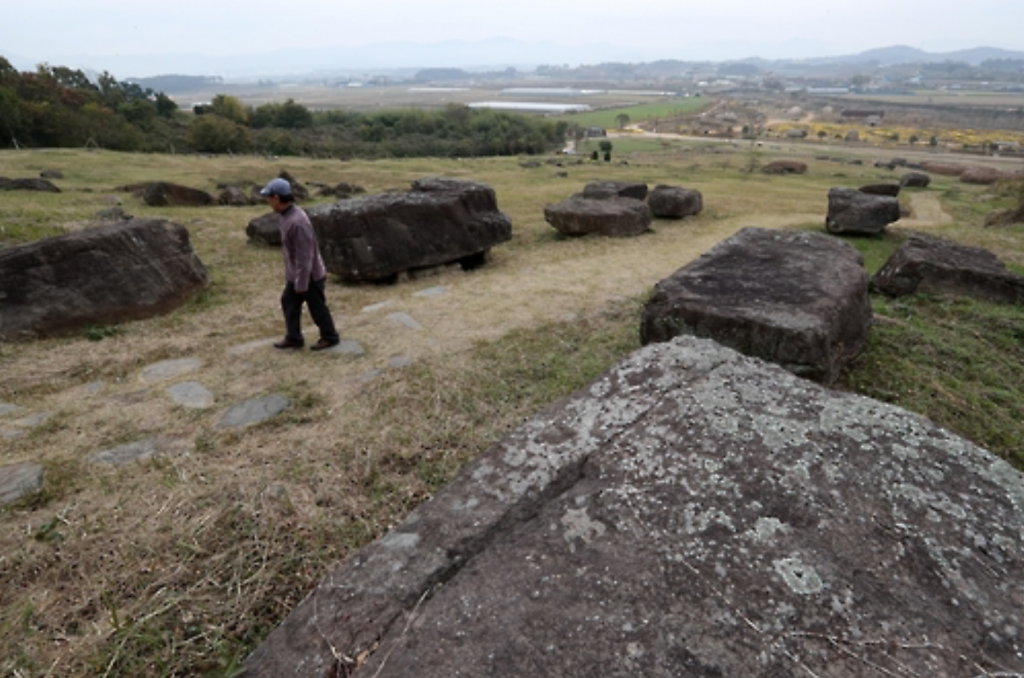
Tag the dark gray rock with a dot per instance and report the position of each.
(19, 480)
(342, 190)
(915, 180)
(29, 184)
(674, 202)
(693, 512)
(926, 264)
(602, 190)
(616, 217)
(890, 189)
(298, 190)
(438, 222)
(785, 167)
(265, 230)
(855, 213)
(794, 298)
(164, 194)
(233, 196)
(116, 272)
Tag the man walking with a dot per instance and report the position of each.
(304, 271)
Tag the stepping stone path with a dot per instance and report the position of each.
(406, 320)
(191, 394)
(254, 411)
(431, 292)
(15, 427)
(347, 347)
(19, 480)
(168, 369)
(151, 448)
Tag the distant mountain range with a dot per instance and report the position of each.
(484, 55)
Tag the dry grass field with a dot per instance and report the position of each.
(179, 566)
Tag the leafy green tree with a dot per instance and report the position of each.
(622, 119)
(293, 116)
(606, 149)
(165, 106)
(215, 134)
(229, 108)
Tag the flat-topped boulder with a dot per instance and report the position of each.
(979, 174)
(929, 265)
(890, 189)
(854, 212)
(916, 180)
(615, 217)
(692, 512)
(790, 297)
(674, 202)
(438, 222)
(785, 167)
(116, 272)
(166, 194)
(602, 190)
(28, 184)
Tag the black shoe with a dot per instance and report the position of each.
(288, 344)
(324, 343)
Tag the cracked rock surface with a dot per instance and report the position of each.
(693, 512)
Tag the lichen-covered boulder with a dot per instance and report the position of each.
(692, 512)
(915, 180)
(794, 298)
(100, 276)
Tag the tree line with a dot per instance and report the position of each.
(56, 106)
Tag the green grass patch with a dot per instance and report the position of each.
(957, 361)
(672, 108)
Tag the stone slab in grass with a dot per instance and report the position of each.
(794, 298)
(254, 411)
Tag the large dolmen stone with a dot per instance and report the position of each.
(929, 265)
(674, 202)
(164, 194)
(615, 217)
(602, 190)
(265, 230)
(854, 212)
(116, 272)
(790, 297)
(440, 221)
(693, 512)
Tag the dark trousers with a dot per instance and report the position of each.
(314, 297)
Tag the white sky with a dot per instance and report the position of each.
(46, 30)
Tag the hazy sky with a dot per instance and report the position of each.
(56, 30)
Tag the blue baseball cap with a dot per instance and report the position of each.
(277, 187)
